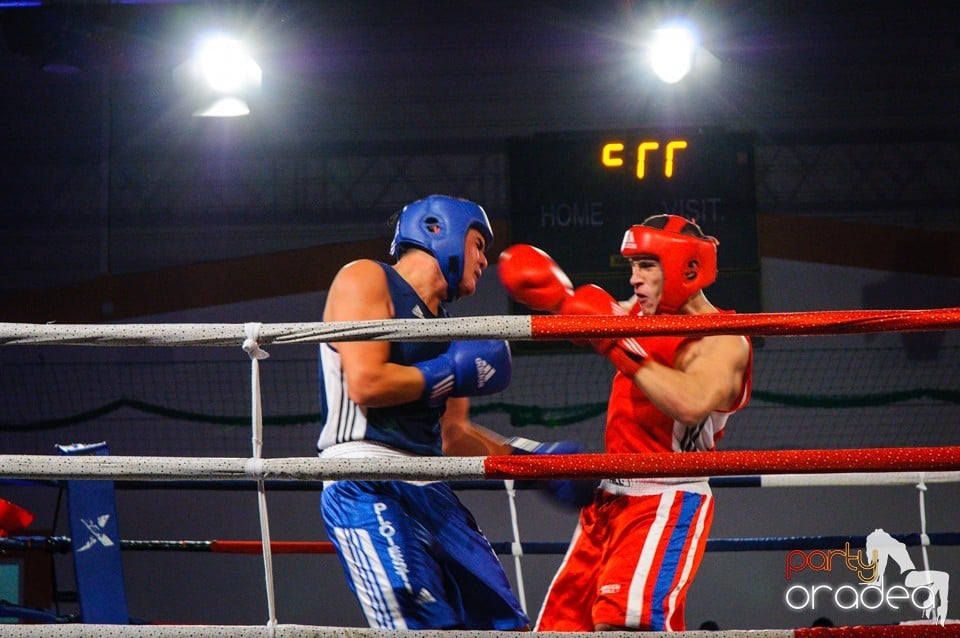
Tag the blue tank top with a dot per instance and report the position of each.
(413, 427)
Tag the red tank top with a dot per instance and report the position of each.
(635, 424)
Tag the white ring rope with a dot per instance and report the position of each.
(213, 334)
(169, 468)
(163, 468)
(509, 327)
(857, 479)
(305, 631)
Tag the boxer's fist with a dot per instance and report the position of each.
(532, 278)
(591, 300)
(626, 353)
(569, 493)
(467, 368)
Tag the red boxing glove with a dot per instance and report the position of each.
(626, 352)
(532, 278)
(591, 300)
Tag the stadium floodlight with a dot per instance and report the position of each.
(671, 50)
(226, 66)
(221, 75)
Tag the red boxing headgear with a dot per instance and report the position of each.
(689, 262)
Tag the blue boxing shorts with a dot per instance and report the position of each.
(415, 558)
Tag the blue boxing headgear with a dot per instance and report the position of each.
(438, 224)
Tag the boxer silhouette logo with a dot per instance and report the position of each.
(926, 590)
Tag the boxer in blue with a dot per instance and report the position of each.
(412, 553)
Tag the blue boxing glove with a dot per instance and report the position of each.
(521, 445)
(570, 493)
(466, 369)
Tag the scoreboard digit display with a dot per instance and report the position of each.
(575, 194)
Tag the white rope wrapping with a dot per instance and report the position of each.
(924, 537)
(251, 346)
(517, 549)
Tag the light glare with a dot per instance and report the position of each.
(225, 107)
(671, 53)
(225, 66)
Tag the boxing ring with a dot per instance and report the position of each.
(864, 466)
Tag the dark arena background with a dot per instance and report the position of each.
(819, 141)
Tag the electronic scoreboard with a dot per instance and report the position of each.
(575, 194)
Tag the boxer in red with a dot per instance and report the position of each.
(638, 545)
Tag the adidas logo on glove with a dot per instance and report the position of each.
(467, 368)
(485, 371)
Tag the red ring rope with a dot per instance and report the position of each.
(879, 631)
(768, 324)
(725, 463)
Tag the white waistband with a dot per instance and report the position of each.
(366, 450)
(643, 487)
(362, 450)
